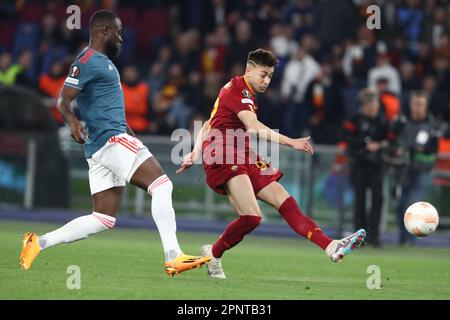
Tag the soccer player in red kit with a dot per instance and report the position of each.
(244, 176)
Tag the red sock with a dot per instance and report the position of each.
(302, 224)
(234, 233)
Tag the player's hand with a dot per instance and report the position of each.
(188, 161)
(78, 132)
(302, 144)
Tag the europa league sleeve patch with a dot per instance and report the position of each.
(246, 94)
(74, 72)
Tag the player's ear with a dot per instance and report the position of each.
(249, 67)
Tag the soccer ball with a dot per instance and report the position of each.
(421, 219)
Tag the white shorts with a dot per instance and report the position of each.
(115, 163)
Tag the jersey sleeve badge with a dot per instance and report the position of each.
(246, 94)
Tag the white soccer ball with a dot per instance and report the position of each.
(421, 219)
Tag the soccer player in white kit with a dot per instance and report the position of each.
(114, 155)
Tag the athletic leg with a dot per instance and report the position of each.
(243, 200)
(234, 205)
(275, 195)
(240, 190)
(150, 177)
(105, 206)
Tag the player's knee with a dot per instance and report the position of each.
(106, 222)
(162, 185)
(249, 208)
(251, 221)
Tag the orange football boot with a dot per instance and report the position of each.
(30, 249)
(184, 262)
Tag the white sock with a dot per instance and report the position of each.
(164, 215)
(77, 229)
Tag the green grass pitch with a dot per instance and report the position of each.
(128, 264)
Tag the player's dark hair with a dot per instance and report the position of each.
(102, 18)
(262, 57)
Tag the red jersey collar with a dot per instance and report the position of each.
(248, 85)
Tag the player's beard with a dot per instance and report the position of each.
(112, 49)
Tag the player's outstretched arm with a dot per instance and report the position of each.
(252, 123)
(77, 131)
(190, 158)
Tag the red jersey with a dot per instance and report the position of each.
(226, 150)
(227, 132)
(235, 96)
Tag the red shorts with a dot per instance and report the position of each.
(261, 174)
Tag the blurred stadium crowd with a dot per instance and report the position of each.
(178, 54)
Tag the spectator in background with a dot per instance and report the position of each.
(212, 84)
(8, 71)
(189, 102)
(241, 43)
(70, 39)
(443, 164)
(203, 15)
(156, 78)
(442, 50)
(334, 22)
(438, 101)
(25, 61)
(17, 73)
(418, 142)
(165, 58)
(50, 35)
(436, 26)
(300, 15)
(266, 15)
(270, 114)
(398, 52)
(323, 99)
(299, 72)
(366, 134)
(136, 95)
(213, 55)
(312, 45)
(390, 103)
(360, 55)
(384, 69)
(410, 80)
(410, 20)
(50, 84)
(423, 60)
(284, 46)
(187, 50)
(442, 73)
(166, 98)
(282, 42)
(352, 60)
